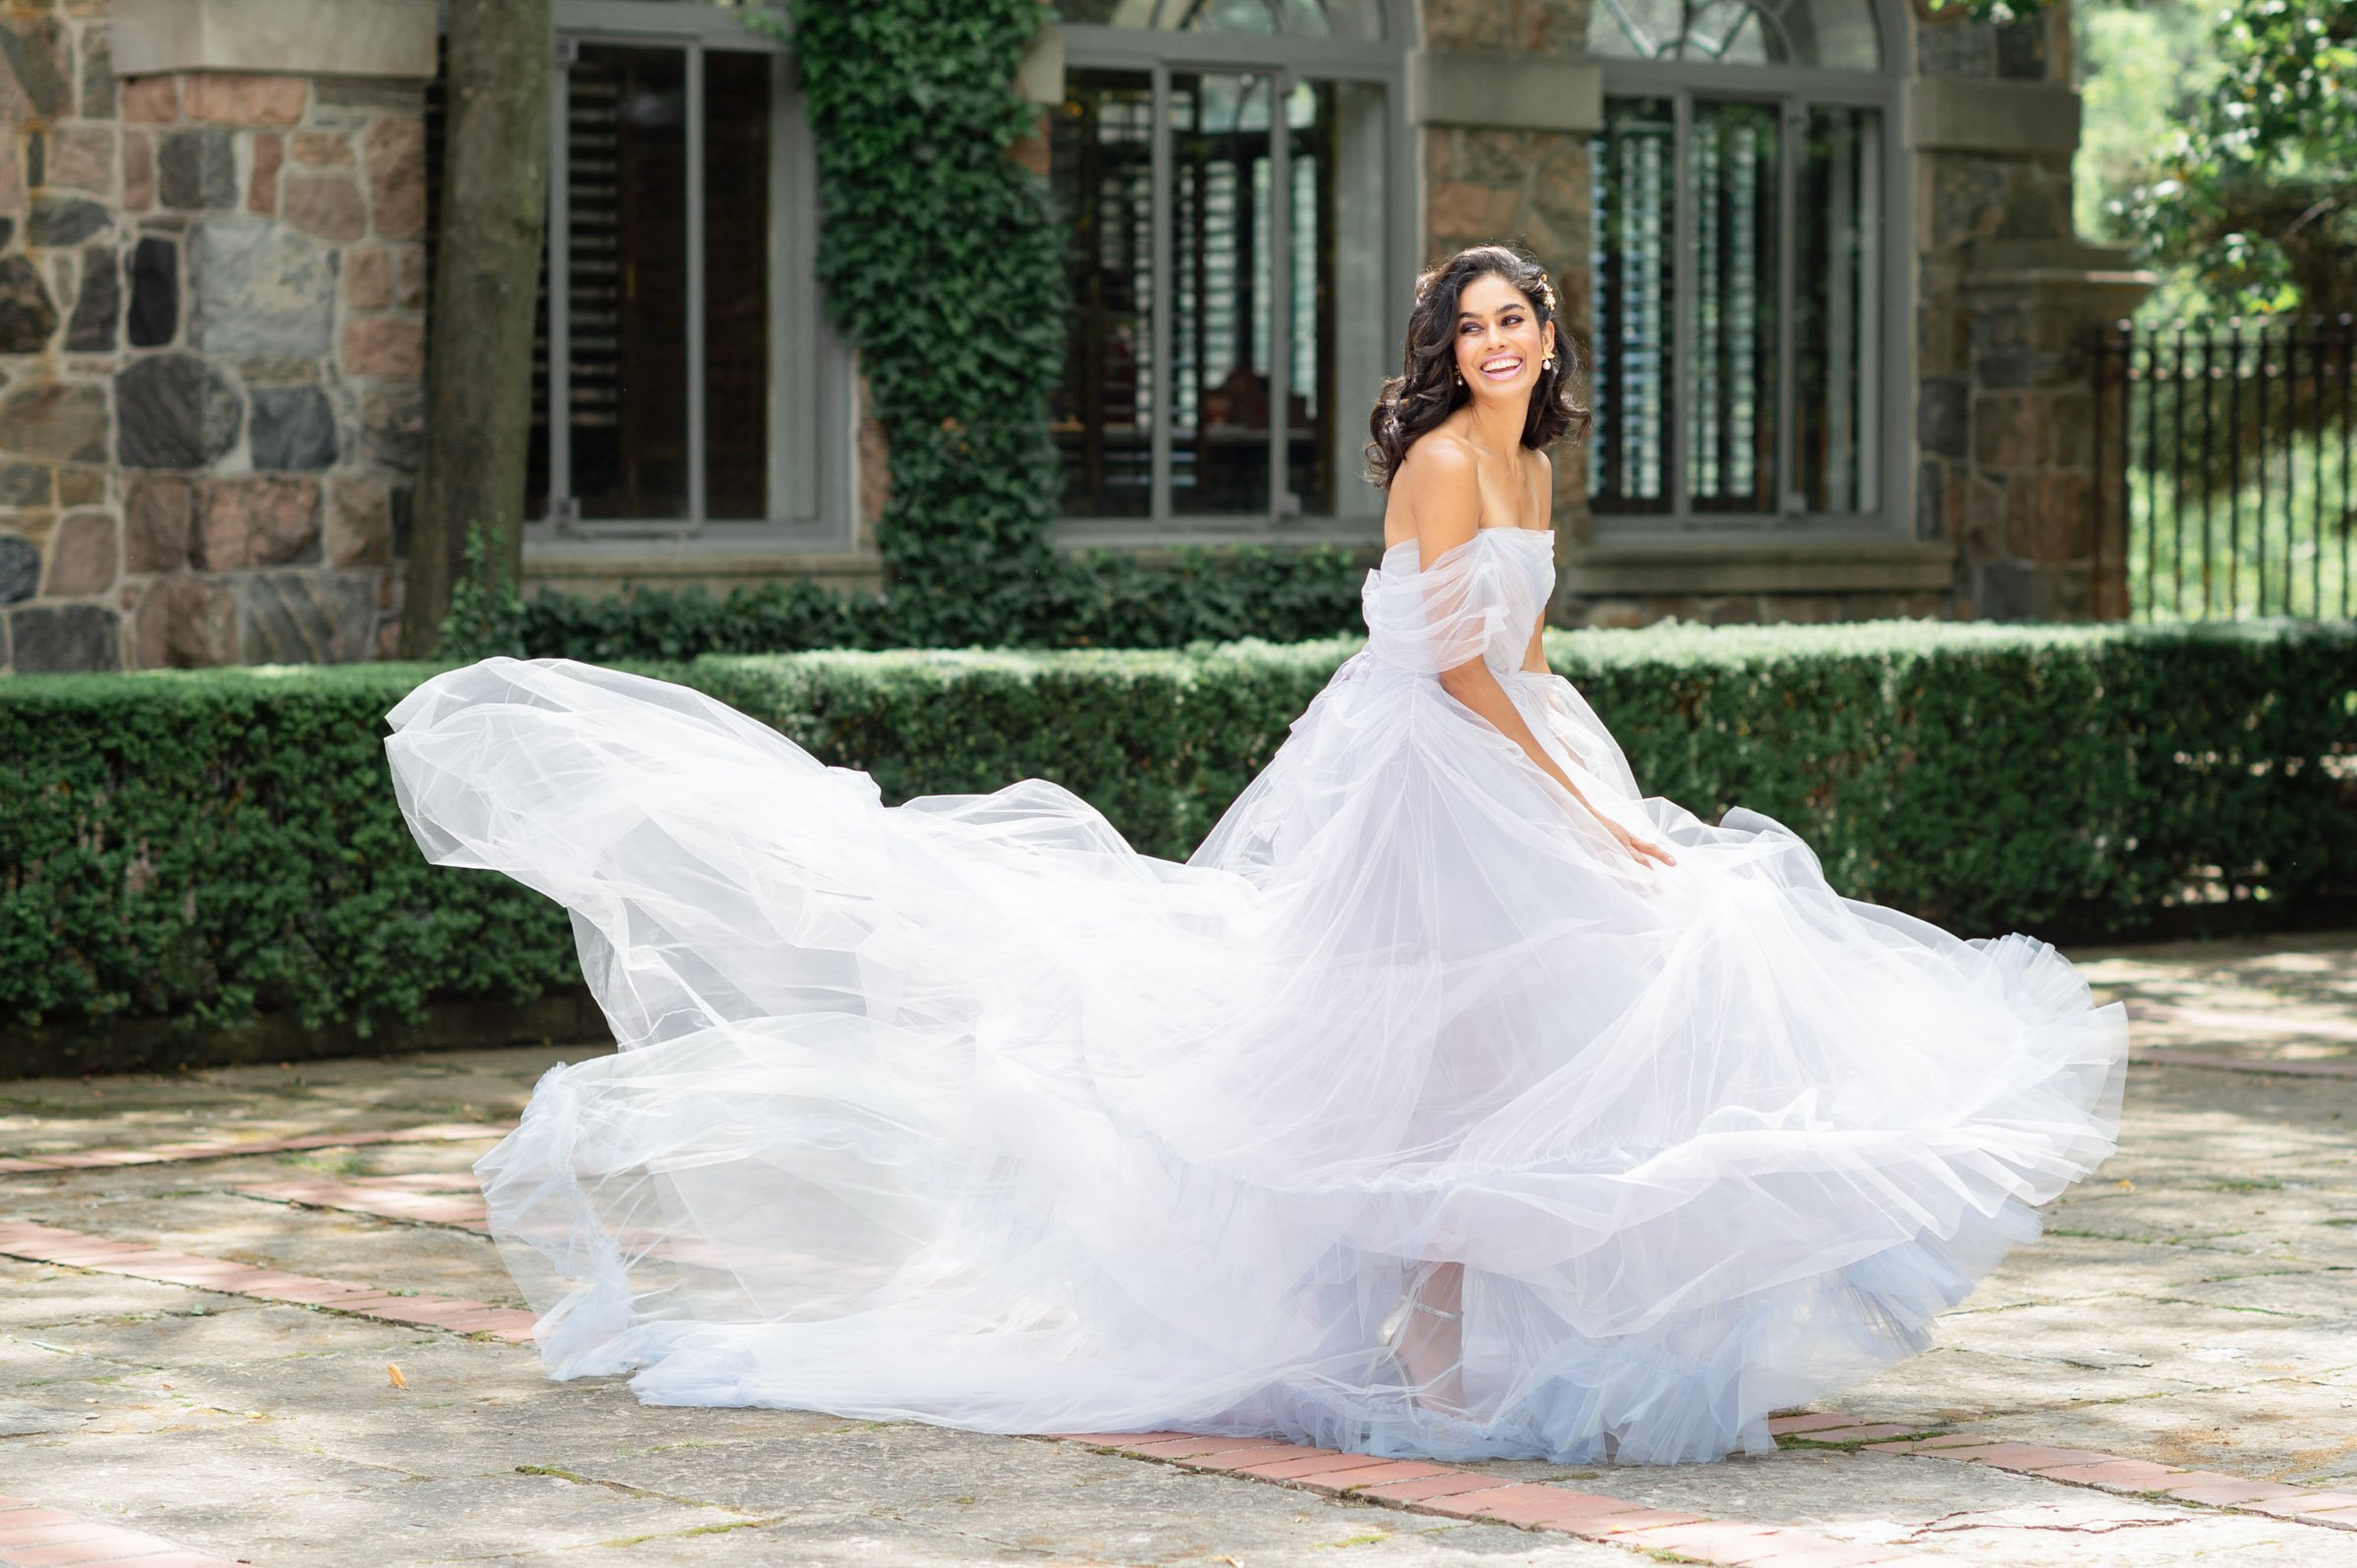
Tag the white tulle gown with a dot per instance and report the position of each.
(963, 1111)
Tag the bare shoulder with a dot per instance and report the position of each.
(1441, 460)
(1440, 480)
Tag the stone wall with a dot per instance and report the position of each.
(212, 338)
(2008, 301)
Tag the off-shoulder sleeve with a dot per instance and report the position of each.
(1450, 614)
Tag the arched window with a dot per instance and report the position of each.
(1750, 279)
(1225, 170)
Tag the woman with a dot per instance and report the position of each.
(1453, 1100)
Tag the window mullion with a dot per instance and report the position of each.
(561, 507)
(697, 455)
(1160, 383)
(1279, 284)
(1791, 116)
(1683, 269)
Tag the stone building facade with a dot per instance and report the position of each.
(213, 261)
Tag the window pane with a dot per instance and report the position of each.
(1838, 342)
(736, 277)
(1223, 181)
(1834, 33)
(1335, 235)
(1633, 165)
(1309, 18)
(1101, 157)
(627, 249)
(1730, 433)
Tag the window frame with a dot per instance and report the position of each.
(1157, 54)
(809, 366)
(1791, 91)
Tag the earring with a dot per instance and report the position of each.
(1547, 363)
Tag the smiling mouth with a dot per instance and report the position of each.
(1502, 367)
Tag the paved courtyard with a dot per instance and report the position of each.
(250, 1316)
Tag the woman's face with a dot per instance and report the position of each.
(1500, 341)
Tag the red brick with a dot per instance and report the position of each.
(2307, 1503)
(103, 1543)
(1239, 1458)
(1638, 1520)
(1191, 1443)
(1456, 1483)
(58, 1527)
(1499, 1499)
(2023, 1456)
(1382, 1472)
(2226, 1492)
(1714, 1542)
(1813, 1421)
(2126, 1475)
(1856, 1434)
(1312, 1463)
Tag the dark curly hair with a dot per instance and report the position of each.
(1427, 390)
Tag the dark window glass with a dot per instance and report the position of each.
(1634, 167)
(738, 268)
(1101, 155)
(1731, 436)
(1838, 305)
(1222, 243)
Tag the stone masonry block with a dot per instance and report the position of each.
(175, 410)
(262, 289)
(257, 522)
(82, 555)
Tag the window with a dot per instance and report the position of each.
(1223, 169)
(1744, 284)
(678, 317)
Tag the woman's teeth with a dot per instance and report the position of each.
(1502, 367)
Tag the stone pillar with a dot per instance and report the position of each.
(211, 379)
(2031, 533)
(1504, 100)
(2006, 302)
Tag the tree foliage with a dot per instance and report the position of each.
(2256, 193)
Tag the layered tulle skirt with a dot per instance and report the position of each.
(962, 1110)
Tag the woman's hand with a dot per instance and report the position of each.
(1641, 849)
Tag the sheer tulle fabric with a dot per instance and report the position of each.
(962, 1110)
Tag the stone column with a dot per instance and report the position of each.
(2007, 302)
(213, 421)
(2030, 534)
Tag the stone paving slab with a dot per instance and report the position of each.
(2185, 1325)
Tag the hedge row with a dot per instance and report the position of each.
(1091, 600)
(204, 845)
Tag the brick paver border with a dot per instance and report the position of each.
(440, 1199)
(1453, 1494)
(2141, 1478)
(220, 1149)
(33, 1537)
(73, 1250)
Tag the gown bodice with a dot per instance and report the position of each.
(1478, 599)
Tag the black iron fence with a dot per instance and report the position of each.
(2224, 471)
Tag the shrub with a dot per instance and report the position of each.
(203, 845)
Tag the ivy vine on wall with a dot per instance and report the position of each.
(942, 259)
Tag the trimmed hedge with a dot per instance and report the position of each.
(203, 845)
